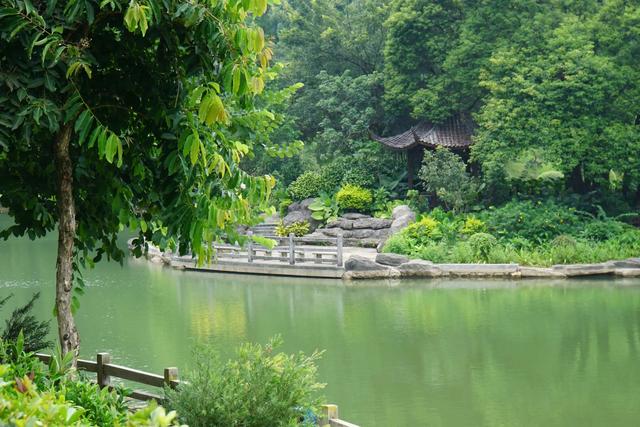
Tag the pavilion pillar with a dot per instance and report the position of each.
(414, 158)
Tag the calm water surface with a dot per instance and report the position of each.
(431, 353)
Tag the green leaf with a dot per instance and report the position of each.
(195, 149)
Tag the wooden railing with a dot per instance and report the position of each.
(289, 249)
(105, 371)
(330, 418)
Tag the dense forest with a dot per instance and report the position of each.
(552, 88)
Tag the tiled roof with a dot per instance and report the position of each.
(453, 133)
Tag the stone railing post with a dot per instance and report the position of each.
(250, 246)
(292, 250)
(339, 249)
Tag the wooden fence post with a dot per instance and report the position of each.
(250, 246)
(329, 412)
(292, 250)
(103, 379)
(170, 374)
(339, 256)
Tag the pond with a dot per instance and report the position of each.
(436, 353)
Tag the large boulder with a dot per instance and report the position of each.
(300, 212)
(628, 272)
(539, 272)
(419, 268)
(359, 267)
(343, 223)
(373, 223)
(392, 260)
(572, 270)
(627, 263)
(354, 216)
(401, 210)
(480, 270)
(360, 263)
(402, 216)
(366, 233)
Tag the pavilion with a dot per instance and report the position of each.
(454, 134)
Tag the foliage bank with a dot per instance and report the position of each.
(33, 394)
(527, 233)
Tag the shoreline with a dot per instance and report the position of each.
(365, 265)
(390, 266)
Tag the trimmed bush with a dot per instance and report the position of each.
(354, 198)
(258, 388)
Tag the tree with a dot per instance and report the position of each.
(420, 34)
(135, 114)
(572, 97)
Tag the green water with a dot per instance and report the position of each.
(432, 353)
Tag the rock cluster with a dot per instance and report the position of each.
(388, 266)
(365, 231)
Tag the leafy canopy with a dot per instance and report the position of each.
(163, 101)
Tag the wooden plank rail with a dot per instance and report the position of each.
(289, 249)
(105, 371)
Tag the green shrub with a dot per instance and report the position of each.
(600, 230)
(535, 221)
(354, 198)
(423, 232)
(564, 240)
(22, 405)
(360, 176)
(482, 244)
(299, 229)
(445, 174)
(416, 201)
(398, 244)
(630, 238)
(259, 388)
(307, 185)
(473, 225)
(324, 208)
(348, 170)
(102, 407)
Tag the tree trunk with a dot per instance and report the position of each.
(67, 331)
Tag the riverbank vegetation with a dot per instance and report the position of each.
(34, 394)
(526, 233)
(552, 170)
(260, 387)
